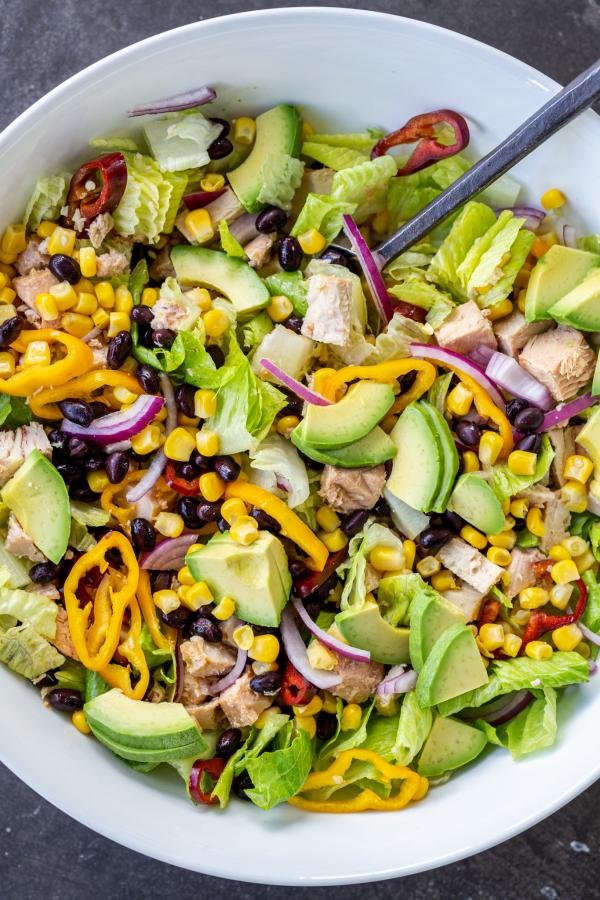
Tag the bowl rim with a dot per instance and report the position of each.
(90, 74)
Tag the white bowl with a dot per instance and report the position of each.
(347, 69)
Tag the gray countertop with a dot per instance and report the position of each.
(44, 854)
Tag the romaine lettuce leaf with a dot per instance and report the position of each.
(590, 242)
(151, 199)
(27, 653)
(336, 158)
(14, 572)
(72, 675)
(256, 741)
(591, 616)
(180, 142)
(229, 244)
(408, 194)
(473, 222)
(155, 656)
(365, 185)
(411, 262)
(417, 290)
(506, 484)
(381, 735)
(279, 774)
(88, 514)
(392, 343)
(115, 142)
(438, 313)
(138, 279)
(534, 728)
(345, 740)
(324, 213)
(276, 461)
(372, 535)
(308, 510)
(79, 537)
(438, 391)
(361, 140)
(255, 330)
(48, 197)
(413, 729)
(14, 412)
(31, 608)
(187, 359)
(293, 286)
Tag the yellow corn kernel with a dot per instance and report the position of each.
(7, 364)
(500, 310)
(518, 509)
(308, 724)
(585, 561)
(491, 636)
(512, 645)
(327, 518)
(266, 715)
(329, 702)
(574, 546)
(97, 481)
(243, 637)
(286, 425)
(244, 530)
(311, 709)
(207, 442)
(564, 572)
(410, 549)
(351, 717)
(320, 657)
(197, 595)
(45, 228)
(490, 446)
(62, 240)
(232, 509)
(459, 401)
(105, 294)
(560, 595)
(535, 523)
(506, 539)
(538, 650)
(583, 649)
(386, 559)
(473, 537)
(148, 439)
(312, 242)
(533, 597)
(179, 445)
(100, 318)
(166, 600)
(520, 617)
(427, 566)
(185, 577)
(169, 524)
(578, 468)
(500, 556)
(334, 540)
(194, 421)
(567, 637)
(64, 294)
(3, 280)
(86, 304)
(205, 404)
(542, 244)
(553, 199)
(88, 262)
(123, 300)
(470, 461)
(13, 239)
(443, 581)
(118, 321)
(224, 610)
(522, 462)
(574, 496)
(307, 130)
(212, 182)
(280, 308)
(244, 130)
(216, 322)
(521, 300)
(149, 296)
(200, 226)
(557, 552)
(200, 297)
(124, 396)
(212, 487)
(265, 648)
(7, 295)
(7, 269)
(46, 306)
(37, 354)
(80, 722)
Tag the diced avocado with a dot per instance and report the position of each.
(554, 275)
(256, 576)
(229, 275)
(596, 381)
(580, 308)
(278, 131)
(364, 627)
(474, 500)
(453, 667)
(589, 438)
(430, 616)
(418, 465)
(376, 447)
(450, 745)
(350, 419)
(142, 731)
(38, 497)
(440, 428)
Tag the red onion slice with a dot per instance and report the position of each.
(589, 635)
(185, 100)
(513, 706)
(567, 411)
(371, 269)
(169, 554)
(232, 676)
(179, 670)
(399, 680)
(481, 355)
(569, 237)
(532, 215)
(296, 386)
(338, 646)
(506, 372)
(296, 652)
(202, 198)
(156, 467)
(118, 426)
(439, 354)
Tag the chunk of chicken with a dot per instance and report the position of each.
(348, 489)
(19, 543)
(32, 258)
(469, 565)
(39, 281)
(15, 447)
(521, 571)
(240, 704)
(99, 228)
(465, 329)
(563, 444)
(209, 716)
(556, 516)
(359, 679)
(467, 599)
(62, 639)
(112, 263)
(561, 360)
(203, 659)
(514, 331)
(259, 249)
(328, 317)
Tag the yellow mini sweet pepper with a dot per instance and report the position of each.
(330, 384)
(78, 359)
(113, 493)
(43, 404)
(148, 609)
(130, 648)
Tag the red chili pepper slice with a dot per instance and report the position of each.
(308, 583)
(540, 622)
(409, 311)
(295, 690)
(181, 485)
(422, 129)
(205, 773)
(108, 174)
(489, 612)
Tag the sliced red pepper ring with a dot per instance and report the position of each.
(203, 777)
(181, 485)
(422, 129)
(541, 622)
(295, 690)
(307, 584)
(97, 187)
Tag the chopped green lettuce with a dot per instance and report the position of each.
(229, 244)
(411, 262)
(279, 774)
(438, 313)
(361, 140)
(372, 535)
(138, 279)
(308, 510)
(72, 675)
(26, 652)
(365, 186)
(506, 484)
(413, 729)
(255, 743)
(417, 290)
(14, 412)
(408, 194)
(179, 142)
(381, 733)
(438, 391)
(587, 526)
(48, 197)
(590, 242)
(151, 199)
(275, 461)
(31, 608)
(336, 158)
(392, 343)
(79, 537)
(293, 286)
(591, 616)
(344, 740)
(14, 572)
(155, 656)
(88, 514)
(324, 213)
(534, 728)
(115, 142)
(255, 330)
(186, 360)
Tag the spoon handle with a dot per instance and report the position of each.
(560, 109)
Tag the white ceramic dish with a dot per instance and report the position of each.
(347, 69)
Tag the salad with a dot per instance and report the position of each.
(304, 527)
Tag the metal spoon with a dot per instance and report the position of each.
(560, 109)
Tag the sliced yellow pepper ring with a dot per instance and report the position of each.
(413, 787)
(113, 492)
(130, 648)
(291, 525)
(77, 360)
(148, 608)
(43, 404)
(384, 372)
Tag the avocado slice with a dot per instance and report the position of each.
(365, 627)
(430, 615)
(376, 447)
(229, 275)
(350, 419)
(417, 471)
(450, 745)
(596, 381)
(278, 131)
(441, 429)
(256, 576)
(453, 667)
(38, 497)
(589, 438)
(474, 500)
(555, 274)
(580, 308)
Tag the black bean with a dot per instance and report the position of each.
(164, 337)
(529, 419)
(294, 323)
(220, 148)
(226, 468)
(187, 508)
(223, 123)
(381, 508)
(272, 218)
(42, 573)
(65, 699)
(143, 534)
(265, 521)
(293, 407)
(335, 257)
(117, 466)
(184, 398)
(513, 407)
(76, 447)
(142, 314)
(209, 512)
(186, 470)
(98, 409)
(452, 520)
(48, 679)
(119, 348)
(223, 525)
(241, 784)
(326, 725)
(202, 463)
(406, 381)
(77, 411)
(290, 254)
(59, 440)
(65, 268)
(82, 491)
(114, 557)
(297, 568)
(69, 472)
(148, 378)
(216, 354)
(313, 607)
(144, 335)
(354, 522)
(434, 538)
(207, 629)
(177, 618)
(229, 742)
(161, 581)
(268, 683)
(468, 433)
(531, 443)
(93, 462)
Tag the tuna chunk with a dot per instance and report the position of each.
(465, 329)
(240, 704)
(563, 444)
(99, 352)
(209, 716)
(467, 599)
(29, 286)
(111, 263)
(359, 679)
(169, 313)
(521, 571)
(15, 447)
(19, 543)
(328, 318)
(258, 250)
(99, 228)
(348, 489)
(469, 565)
(203, 659)
(561, 359)
(514, 331)
(62, 639)
(32, 258)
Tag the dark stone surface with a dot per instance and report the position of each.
(44, 854)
